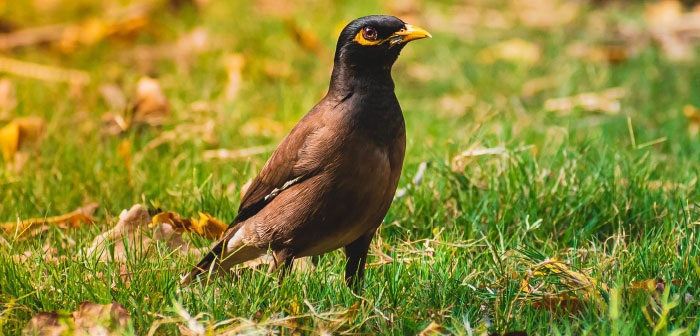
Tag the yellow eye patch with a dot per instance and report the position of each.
(360, 38)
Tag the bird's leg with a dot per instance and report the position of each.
(356, 253)
(283, 262)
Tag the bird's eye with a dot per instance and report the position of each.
(369, 33)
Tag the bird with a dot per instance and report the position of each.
(331, 180)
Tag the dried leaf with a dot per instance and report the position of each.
(19, 133)
(206, 226)
(433, 329)
(114, 97)
(8, 100)
(693, 114)
(234, 66)
(607, 101)
(513, 50)
(609, 53)
(29, 227)
(89, 319)
(545, 13)
(462, 160)
(673, 29)
(228, 154)
(151, 106)
(125, 232)
(124, 152)
(552, 285)
(43, 72)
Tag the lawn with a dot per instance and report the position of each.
(550, 181)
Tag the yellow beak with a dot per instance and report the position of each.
(409, 33)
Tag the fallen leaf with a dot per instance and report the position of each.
(89, 319)
(124, 152)
(151, 106)
(206, 226)
(693, 114)
(552, 285)
(674, 30)
(114, 97)
(606, 101)
(228, 154)
(513, 50)
(432, 329)
(609, 53)
(461, 160)
(43, 72)
(129, 225)
(30, 227)
(20, 133)
(544, 13)
(234, 66)
(456, 105)
(8, 99)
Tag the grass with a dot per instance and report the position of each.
(613, 195)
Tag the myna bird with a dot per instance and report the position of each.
(330, 182)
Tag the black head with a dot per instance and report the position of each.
(375, 41)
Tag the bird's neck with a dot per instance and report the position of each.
(347, 80)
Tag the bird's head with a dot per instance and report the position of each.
(375, 41)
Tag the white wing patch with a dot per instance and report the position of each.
(286, 185)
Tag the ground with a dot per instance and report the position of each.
(550, 183)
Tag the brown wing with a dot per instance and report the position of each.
(280, 171)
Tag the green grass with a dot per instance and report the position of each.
(579, 187)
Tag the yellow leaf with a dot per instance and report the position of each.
(29, 227)
(124, 151)
(210, 227)
(206, 226)
(19, 133)
(9, 140)
(693, 114)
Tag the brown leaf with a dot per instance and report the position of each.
(545, 13)
(114, 97)
(89, 319)
(206, 226)
(610, 53)
(432, 329)
(228, 154)
(43, 72)
(152, 106)
(606, 101)
(126, 230)
(29, 227)
(8, 99)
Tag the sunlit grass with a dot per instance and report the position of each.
(613, 195)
